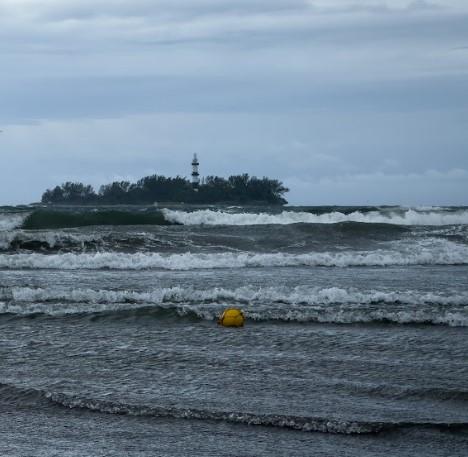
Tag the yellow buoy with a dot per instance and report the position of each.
(232, 317)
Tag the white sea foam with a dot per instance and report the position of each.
(10, 221)
(425, 252)
(306, 424)
(53, 239)
(297, 304)
(400, 217)
(300, 295)
(110, 404)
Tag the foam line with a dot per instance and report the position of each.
(429, 252)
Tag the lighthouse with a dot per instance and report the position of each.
(195, 174)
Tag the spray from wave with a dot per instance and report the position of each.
(10, 221)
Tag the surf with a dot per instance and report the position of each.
(424, 252)
(396, 216)
(274, 305)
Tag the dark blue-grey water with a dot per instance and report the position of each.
(355, 342)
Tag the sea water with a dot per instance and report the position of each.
(355, 343)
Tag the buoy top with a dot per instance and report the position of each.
(232, 317)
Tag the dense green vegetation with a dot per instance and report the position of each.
(213, 189)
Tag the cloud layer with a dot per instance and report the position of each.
(318, 93)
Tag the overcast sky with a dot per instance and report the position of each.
(345, 101)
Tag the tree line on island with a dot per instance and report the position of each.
(212, 189)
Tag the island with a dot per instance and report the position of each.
(237, 189)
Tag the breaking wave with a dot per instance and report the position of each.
(398, 217)
(91, 241)
(246, 294)
(299, 423)
(427, 252)
(10, 221)
(158, 239)
(48, 240)
(41, 219)
(279, 304)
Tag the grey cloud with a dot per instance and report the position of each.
(113, 23)
(122, 96)
(342, 99)
(56, 10)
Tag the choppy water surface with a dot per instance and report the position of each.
(355, 344)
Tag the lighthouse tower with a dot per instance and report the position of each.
(195, 174)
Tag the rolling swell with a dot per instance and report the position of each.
(261, 238)
(49, 241)
(305, 424)
(115, 311)
(69, 240)
(395, 391)
(299, 237)
(29, 395)
(52, 219)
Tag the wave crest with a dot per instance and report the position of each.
(429, 252)
(306, 424)
(397, 217)
(276, 304)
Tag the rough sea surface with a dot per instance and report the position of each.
(356, 341)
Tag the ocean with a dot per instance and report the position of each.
(355, 342)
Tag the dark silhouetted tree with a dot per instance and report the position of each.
(213, 189)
